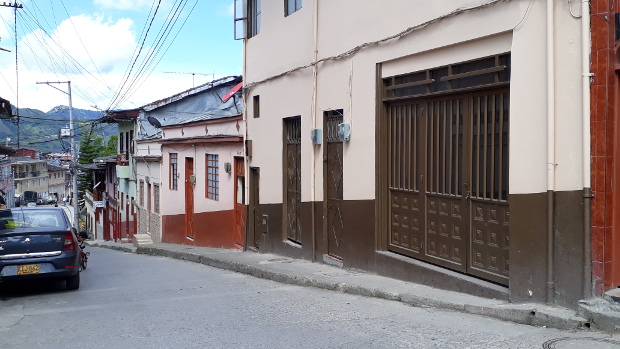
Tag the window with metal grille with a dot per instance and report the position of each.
(156, 199)
(148, 197)
(174, 163)
(291, 6)
(483, 72)
(141, 193)
(213, 177)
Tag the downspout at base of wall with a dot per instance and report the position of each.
(314, 125)
(587, 243)
(586, 47)
(550, 242)
(551, 163)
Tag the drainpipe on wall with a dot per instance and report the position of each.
(246, 162)
(313, 112)
(587, 186)
(550, 148)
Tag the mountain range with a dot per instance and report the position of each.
(40, 130)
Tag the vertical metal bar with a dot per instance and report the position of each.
(429, 147)
(409, 141)
(405, 140)
(443, 170)
(477, 177)
(437, 147)
(414, 146)
(501, 147)
(458, 149)
(392, 149)
(399, 147)
(492, 169)
(486, 145)
(449, 166)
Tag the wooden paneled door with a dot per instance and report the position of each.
(239, 202)
(254, 216)
(448, 181)
(189, 198)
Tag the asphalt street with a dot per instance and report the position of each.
(128, 300)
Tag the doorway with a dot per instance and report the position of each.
(333, 182)
(239, 202)
(190, 181)
(254, 216)
(448, 181)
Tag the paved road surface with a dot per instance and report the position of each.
(138, 301)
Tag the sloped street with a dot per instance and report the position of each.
(137, 301)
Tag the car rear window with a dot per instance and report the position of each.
(12, 219)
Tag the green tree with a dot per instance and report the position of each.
(91, 147)
(112, 146)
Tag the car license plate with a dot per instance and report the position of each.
(28, 269)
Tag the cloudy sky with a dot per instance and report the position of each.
(94, 44)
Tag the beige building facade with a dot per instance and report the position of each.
(438, 142)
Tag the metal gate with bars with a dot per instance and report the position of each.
(333, 181)
(292, 169)
(448, 181)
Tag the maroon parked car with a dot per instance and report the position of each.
(38, 243)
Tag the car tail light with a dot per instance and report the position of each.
(69, 244)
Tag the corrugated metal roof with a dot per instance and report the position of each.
(190, 92)
(199, 104)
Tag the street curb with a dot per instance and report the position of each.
(528, 314)
(130, 249)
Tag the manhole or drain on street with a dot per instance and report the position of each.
(575, 343)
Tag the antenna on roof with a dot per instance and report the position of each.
(193, 75)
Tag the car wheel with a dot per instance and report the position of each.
(73, 282)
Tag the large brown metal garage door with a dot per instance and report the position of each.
(448, 181)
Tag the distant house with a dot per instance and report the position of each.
(206, 119)
(101, 209)
(105, 219)
(56, 182)
(7, 187)
(124, 187)
(29, 152)
(30, 175)
(190, 151)
(6, 111)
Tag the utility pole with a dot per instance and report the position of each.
(15, 6)
(73, 167)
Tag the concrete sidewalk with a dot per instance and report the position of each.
(596, 314)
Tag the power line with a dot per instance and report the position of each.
(169, 45)
(136, 57)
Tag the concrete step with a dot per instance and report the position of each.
(142, 239)
(603, 313)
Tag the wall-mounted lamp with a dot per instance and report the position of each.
(227, 167)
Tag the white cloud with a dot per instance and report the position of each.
(94, 61)
(109, 44)
(124, 4)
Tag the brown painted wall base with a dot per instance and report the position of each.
(528, 253)
(211, 229)
(528, 248)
